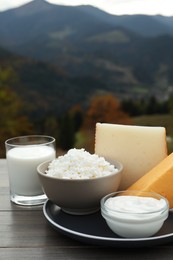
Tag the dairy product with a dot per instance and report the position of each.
(134, 216)
(134, 204)
(159, 179)
(138, 148)
(80, 164)
(22, 167)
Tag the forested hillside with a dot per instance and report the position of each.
(126, 55)
(62, 69)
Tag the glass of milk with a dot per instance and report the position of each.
(24, 154)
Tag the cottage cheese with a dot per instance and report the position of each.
(80, 164)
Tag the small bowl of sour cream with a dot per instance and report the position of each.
(134, 214)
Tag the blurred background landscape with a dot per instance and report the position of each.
(64, 68)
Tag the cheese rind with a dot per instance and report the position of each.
(138, 148)
(159, 180)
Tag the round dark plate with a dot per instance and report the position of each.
(92, 229)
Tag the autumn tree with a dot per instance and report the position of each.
(105, 109)
(13, 122)
(76, 113)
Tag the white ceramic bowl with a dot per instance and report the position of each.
(127, 221)
(79, 196)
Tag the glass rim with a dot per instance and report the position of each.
(7, 142)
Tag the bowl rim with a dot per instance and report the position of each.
(119, 172)
(106, 208)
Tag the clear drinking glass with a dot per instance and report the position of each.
(24, 154)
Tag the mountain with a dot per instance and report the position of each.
(129, 55)
(145, 25)
(45, 89)
(167, 20)
(42, 19)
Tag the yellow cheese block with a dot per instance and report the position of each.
(159, 179)
(138, 148)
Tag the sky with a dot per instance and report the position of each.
(118, 7)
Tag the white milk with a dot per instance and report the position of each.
(22, 168)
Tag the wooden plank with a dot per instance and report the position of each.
(85, 253)
(7, 205)
(3, 173)
(28, 229)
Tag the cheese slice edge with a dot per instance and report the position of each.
(159, 180)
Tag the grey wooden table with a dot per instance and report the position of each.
(26, 234)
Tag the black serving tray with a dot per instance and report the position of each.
(92, 229)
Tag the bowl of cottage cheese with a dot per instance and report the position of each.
(78, 180)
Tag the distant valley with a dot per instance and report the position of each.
(89, 50)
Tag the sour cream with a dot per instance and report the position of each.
(135, 216)
(135, 204)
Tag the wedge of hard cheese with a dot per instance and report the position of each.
(159, 179)
(138, 148)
